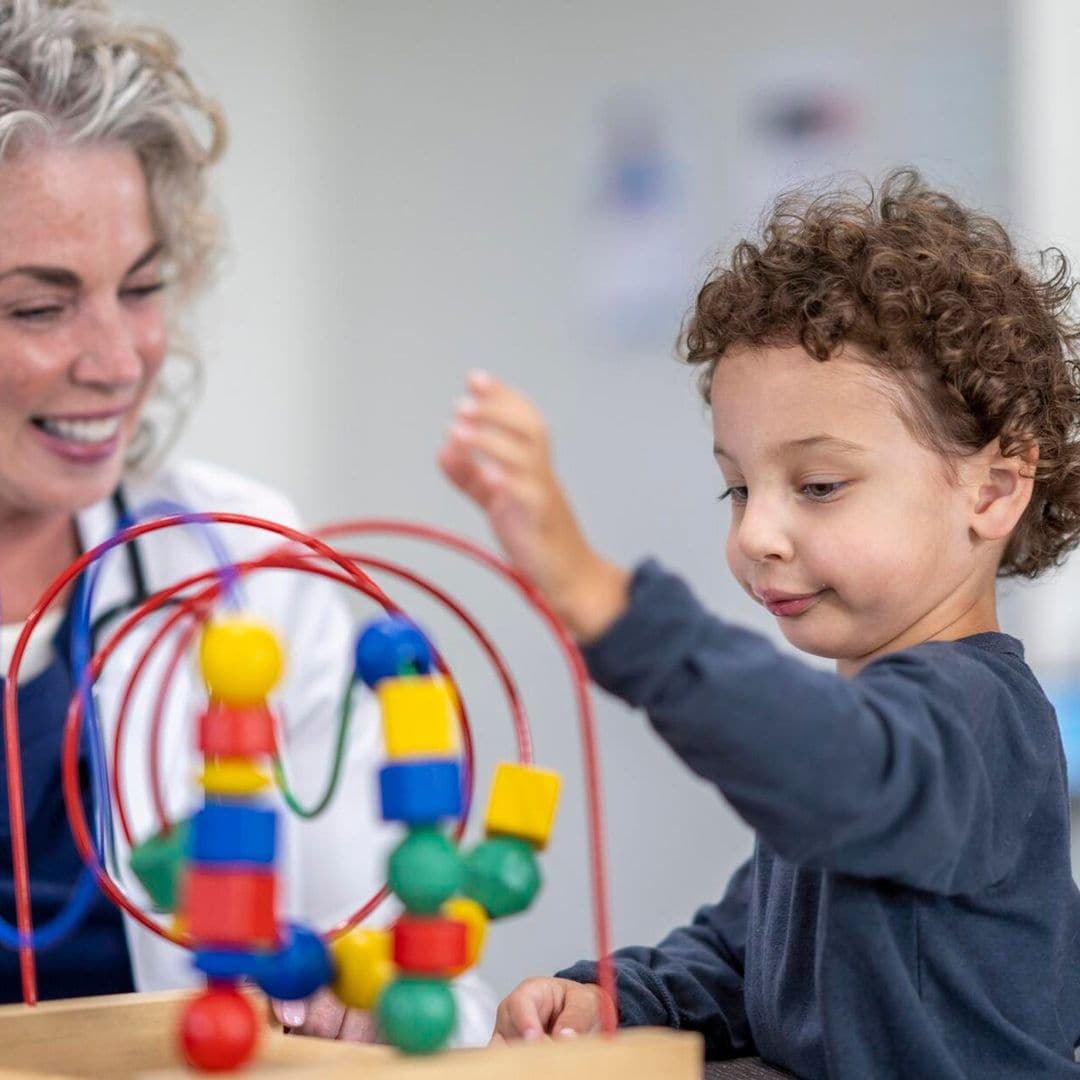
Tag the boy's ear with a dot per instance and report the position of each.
(1003, 487)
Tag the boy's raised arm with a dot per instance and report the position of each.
(929, 798)
(940, 761)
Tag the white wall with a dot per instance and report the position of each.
(407, 192)
(1045, 163)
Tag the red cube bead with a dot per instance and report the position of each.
(236, 731)
(231, 906)
(429, 946)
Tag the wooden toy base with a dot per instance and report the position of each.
(133, 1037)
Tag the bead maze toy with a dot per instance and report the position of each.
(213, 876)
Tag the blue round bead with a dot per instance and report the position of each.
(391, 646)
(298, 969)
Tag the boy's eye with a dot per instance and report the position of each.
(822, 491)
(736, 494)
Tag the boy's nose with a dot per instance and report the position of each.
(762, 532)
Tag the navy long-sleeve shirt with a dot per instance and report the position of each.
(909, 909)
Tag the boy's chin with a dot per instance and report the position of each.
(817, 640)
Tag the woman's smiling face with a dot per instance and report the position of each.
(82, 333)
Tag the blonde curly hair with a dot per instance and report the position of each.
(934, 295)
(70, 73)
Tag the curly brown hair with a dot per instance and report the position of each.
(934, 296)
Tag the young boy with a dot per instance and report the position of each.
(894, 408)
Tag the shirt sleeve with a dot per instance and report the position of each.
(923, 769)
(692, 980)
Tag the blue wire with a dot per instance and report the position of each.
(227, 573)
(86, 887)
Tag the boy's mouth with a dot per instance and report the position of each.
(787, 604)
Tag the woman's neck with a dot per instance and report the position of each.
(34, 548)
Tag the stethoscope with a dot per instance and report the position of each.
(140, 590)
(136, 571)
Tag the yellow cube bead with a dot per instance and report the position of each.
(232, 776)
(363, 966)
(241, 660)
(475, 918)
(523, 803)
(418, 715)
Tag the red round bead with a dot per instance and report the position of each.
(218, 1030)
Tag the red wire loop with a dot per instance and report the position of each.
(196, 607)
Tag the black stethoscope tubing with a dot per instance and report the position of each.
(136, 570)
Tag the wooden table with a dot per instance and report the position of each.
(133, 1037)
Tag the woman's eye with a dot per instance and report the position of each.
(39, 313)
(137, 292)
(821, 492)
(736, 494)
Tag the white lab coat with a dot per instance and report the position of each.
(328, 867)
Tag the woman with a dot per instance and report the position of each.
(105, 236)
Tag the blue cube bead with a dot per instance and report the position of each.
(421, 791)
(233, 832)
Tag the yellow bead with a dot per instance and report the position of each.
(418, 714)
(362, 966)
(232, 776)
(523, 802)
(475, 918)
(241, 660)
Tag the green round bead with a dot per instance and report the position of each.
(158, 863)
(502, 875)
(425, 871)
(417, 1015)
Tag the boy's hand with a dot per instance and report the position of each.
(497, 453)
(549, 1006)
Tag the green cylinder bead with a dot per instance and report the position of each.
(417, 1015)
(157, 864)
(425, 871)
(502, 875)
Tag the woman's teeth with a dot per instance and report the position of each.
(85, 431)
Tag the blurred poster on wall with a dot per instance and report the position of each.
(801, 122)
(643, 236)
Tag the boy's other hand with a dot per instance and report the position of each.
(497, 453)
(549, 1006)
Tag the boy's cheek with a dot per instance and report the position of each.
(735, 562)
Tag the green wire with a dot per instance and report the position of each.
(335, 772)
(339, 754)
